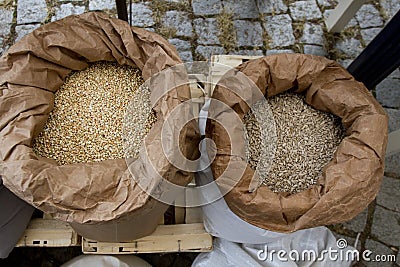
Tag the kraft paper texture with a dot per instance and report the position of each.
(33, 69)
(349, 182)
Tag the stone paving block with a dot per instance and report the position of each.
(315, 50)
(386, 226)
(248, 33)
(392, 164)
(387, 92)
(6, 17)
(327, 13)
(368, 16)
(327, 3)
(207, 31)
(31, 11)
(67, 9)
(180, 21)
(305, 10)
(1, 46)
(350, 47)
(186, 2)
(395, 74)
(394, 119)
(180, 45)
(4, 49)
(345, 62)
(377, 249)
(186, 56)
(390, 7)
(279, 51)
(352, 23)
(23, 30)
(280, 31)
(101, 4)
(249, 53)
(210, 7)
(389, 195)
(312, 34)
(369, 34)
(357, 224)
(142, 15)
(208, 51)
(245, 9)
(271, 7)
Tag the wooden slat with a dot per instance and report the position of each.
(194, 214)
(166, 238)
(342, 14)
(48, 233)
(47, 216)
(197, 93)
(195, 90)
(223, 63)
(232, 60)
(180, 211)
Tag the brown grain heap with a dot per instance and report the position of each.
(86, 124)
(305, 141)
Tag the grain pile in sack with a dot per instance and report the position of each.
(100, 199)
(346, 184)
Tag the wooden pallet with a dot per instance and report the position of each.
(179, 237)
(187, 235)
(49, 233)
(166, 238)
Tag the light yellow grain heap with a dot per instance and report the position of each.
(86, 124)
(306, 140)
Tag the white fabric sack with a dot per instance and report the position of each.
(305, 243)
(240, 243)
(106, 261)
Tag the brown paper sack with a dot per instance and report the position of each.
(100, 199)
(349, 182)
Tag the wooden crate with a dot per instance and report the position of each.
(166, 238)
(49, 233)
(187, 235)
(179, 237)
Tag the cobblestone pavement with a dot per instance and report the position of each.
(199, 29)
